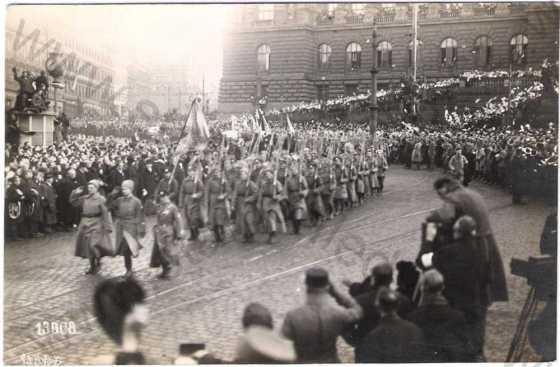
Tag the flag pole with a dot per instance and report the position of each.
(180, 137)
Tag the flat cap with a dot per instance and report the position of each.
(317, 278)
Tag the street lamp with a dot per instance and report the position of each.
(373, 98)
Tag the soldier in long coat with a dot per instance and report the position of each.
(362, 181)
(351, 184)
(341, 191)
(297, 190)
(245, 196)
(129, 218)
(168, 185)
(270, 194)
(314, 200)
(190, 200)
(382, 166)
(216, 193)
(93, 240)
(327, 191)
(148, 180)
(167, 233)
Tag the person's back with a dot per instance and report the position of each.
(444, 328)
(315, 327)
(394, 340)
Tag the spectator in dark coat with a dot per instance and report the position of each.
(68, 215)
(519, 177)
(315, 326)
(365, 294)
(49, 203)
(394, 340)
(444, 328)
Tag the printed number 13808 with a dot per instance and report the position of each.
(56, 328)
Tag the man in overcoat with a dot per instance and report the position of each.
(314, 327)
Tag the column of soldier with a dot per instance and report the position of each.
(263, 184)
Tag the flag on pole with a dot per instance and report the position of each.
(289, 125)
(196, 133)
(264, 127)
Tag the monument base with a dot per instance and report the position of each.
(41, 124)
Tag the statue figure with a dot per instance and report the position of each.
(33, 92)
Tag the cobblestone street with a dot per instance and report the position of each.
(204, 300)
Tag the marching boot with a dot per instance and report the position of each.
(165, 273)
(296, 226)
(217, 235)
(250, 238)
(194, 234)
(271, 237)
(92, 266)
(222, 231)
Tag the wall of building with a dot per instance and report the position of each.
(294, 74)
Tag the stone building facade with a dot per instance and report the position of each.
(291, 53)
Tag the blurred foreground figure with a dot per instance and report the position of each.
(120, 310)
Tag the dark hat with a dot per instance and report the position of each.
(49, 174)
(382, 269)
(388, 300)
(317, 278)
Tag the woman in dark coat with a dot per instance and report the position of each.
(167, 231)
(93, 241)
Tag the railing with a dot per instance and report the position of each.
(484, 11)
(455, 13)
(355, 19)
(385, 18)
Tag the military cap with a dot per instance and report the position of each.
(317, 278)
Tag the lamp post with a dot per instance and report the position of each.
(373, 99)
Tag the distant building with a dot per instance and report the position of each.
(89, 72)
(163, 88)
(291, 53)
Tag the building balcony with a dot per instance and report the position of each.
(355, 19)
(384, 18)
(451, 13)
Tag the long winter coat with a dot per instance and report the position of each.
(94, 238)
(49, 203)
(129, 217)
(167, 233)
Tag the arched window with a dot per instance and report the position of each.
(384, 54)
(265, 12)
(518, 46)
(354, 55)
(411, 52)
(482, 51)
(324, 56)
(448, 52)
(263, 57)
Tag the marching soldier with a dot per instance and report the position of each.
(167, 233)
(362, 182)
(328, 190)
(218, 206)
(270, 194)
(341, 191)
(351, 184)
(93, 241)
(297, 190)
(245, 195)
(129, 224)
(382, 166)
(190, 200)
(314, 199)
(168, 185)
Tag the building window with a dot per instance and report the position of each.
(482, 51)
(411, 52)
(322, 93)
(351, 89)
(263, 57)
(358, 9)
(324, 56)
(265, 12)
(518, 46)
(354, 55)
(384, 54)
(448, 52)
